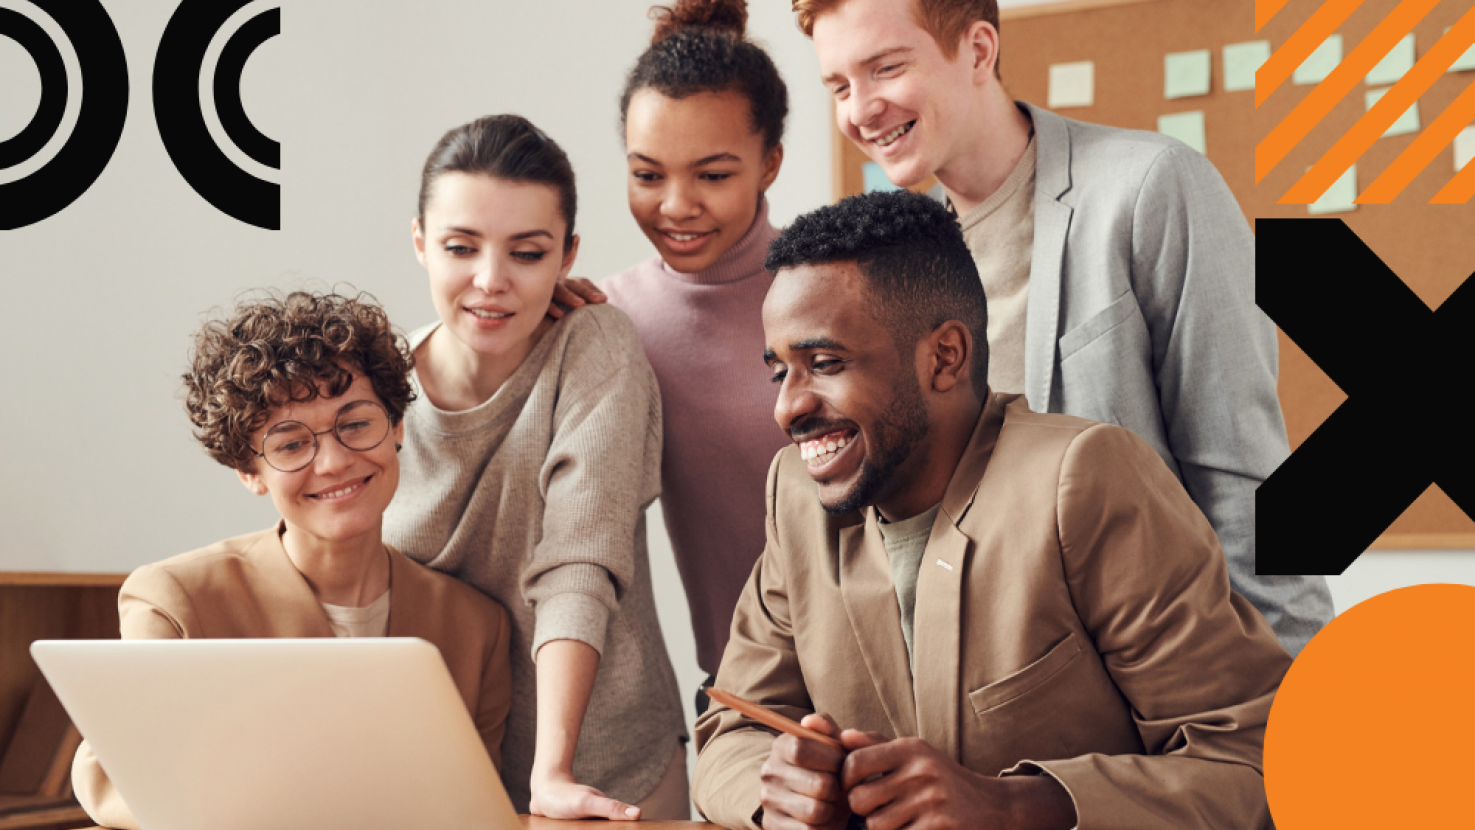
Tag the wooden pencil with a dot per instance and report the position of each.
(768, 717)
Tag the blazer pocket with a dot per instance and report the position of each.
(1025, 680)
(1117, 312)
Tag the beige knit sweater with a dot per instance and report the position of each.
(537, 497)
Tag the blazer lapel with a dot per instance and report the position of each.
(1052, 223)
(938, 625)
(285, 597)
(408, 590)
(870, 602)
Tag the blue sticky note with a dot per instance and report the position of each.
(1394, 65)
(1340, 197)
(1242, 61)
(1187, 127)
(1319, 63)
(876, 178)
(1186, 74)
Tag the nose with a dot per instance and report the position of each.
(865, 105)
(332, 456)
(679, 201)
(492, 277)
(795, 404)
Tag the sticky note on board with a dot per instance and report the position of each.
(1186, 74)
(875, 178)
(1187, 127)
(1464, 148)
(1340, 197)
(1319, 63)
(1465, 62)
(1242, 61)
(1072, 85)
(1393, 66)
(1406, 123)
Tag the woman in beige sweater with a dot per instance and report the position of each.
(529, 461)
(303, 397)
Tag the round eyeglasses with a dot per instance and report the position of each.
(290, 445)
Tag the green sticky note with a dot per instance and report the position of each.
(1320, 63)
(1394, 64)
(1187, 127)
(1072, 85)
(1186, 74)
(1339, 197)
(1241, 61)
(876, 179)
(1464, 148)
(1465, 62)
(1406, 123)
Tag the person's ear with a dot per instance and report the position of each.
(417, 234)
(771, 164)
(951, 347)
(981, 45)
(569, 254)
(253, 482)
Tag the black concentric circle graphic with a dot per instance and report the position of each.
(104, 108)
(177, 67)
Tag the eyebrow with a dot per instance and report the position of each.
(769, 356)
(889, 51)
(342, 409)
(478, 235)
(715, 157)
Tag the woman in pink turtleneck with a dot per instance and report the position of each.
(703, 111)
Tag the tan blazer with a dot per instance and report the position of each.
(247, 587)
(1073, 616)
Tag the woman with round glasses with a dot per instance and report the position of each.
(303, 396)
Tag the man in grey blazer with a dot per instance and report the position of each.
(1118, 267)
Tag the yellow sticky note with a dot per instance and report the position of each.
(1464, 148)
(1242, 61)
(1072, 85)
(1187, 127)
(1339, 198)
(1465, 62)
(1406, 123)
(1186, 74)
(1392, 67)
(1319, 63)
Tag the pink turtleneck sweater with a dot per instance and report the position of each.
(703, 335)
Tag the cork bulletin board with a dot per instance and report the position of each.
(1427, 245)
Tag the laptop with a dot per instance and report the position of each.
(365, 733)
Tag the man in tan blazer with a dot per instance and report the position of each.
(1055, 646)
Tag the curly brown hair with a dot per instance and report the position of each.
(280, 349)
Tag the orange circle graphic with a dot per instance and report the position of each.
(1373, 725)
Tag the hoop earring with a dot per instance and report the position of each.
(398, 447)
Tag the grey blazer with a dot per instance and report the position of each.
(1142, 313)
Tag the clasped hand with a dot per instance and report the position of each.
(897, 783)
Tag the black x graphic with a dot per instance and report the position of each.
(1406, 371)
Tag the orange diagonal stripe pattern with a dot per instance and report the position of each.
(1435, 137)
(1459, 190)
(1266, 9)
(1321, 25)
(1348, 74)
(1371, 126)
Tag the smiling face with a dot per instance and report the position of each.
(494, 251)
(340, 497)
(848, 398)
(896, 95)
(697, 170)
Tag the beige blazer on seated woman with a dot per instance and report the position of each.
(247, 587)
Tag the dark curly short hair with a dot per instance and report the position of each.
(699, 47)
(911, 252)
(278, 349)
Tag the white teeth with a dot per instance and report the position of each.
(900, 131)
(822, 450)
(683, 237)
(830, 446)
(489, 315)
(336, 493)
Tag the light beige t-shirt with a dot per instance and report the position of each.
(906, 541)
(1000, 233)
(370, 621)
